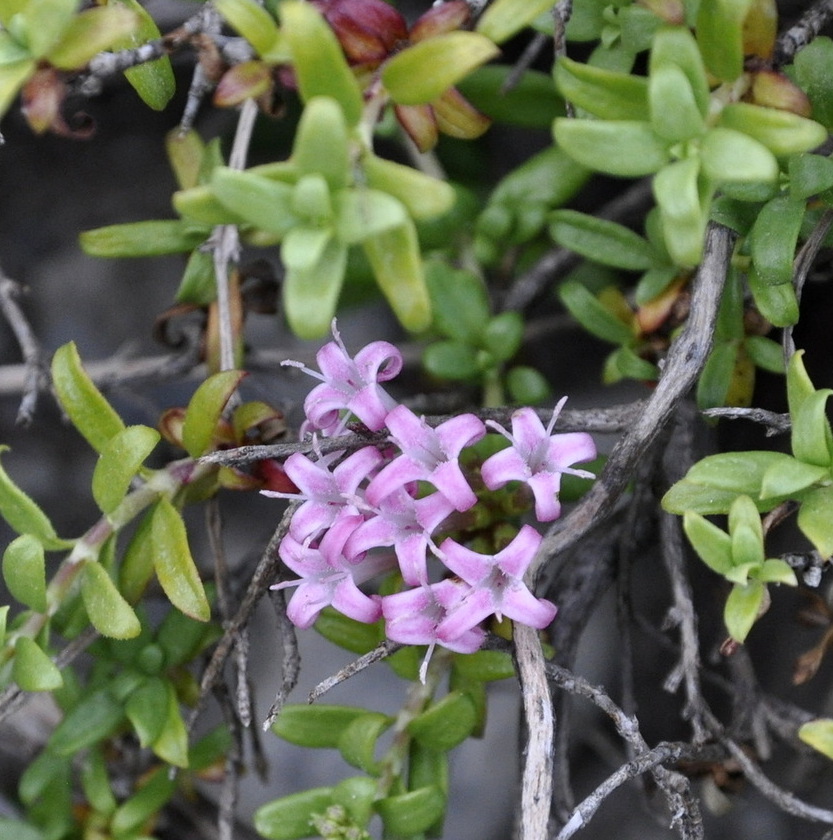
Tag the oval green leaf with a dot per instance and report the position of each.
(819, 735)
(260, 201)
(24, 572)
(32, 669)
(409, 814)
(586, 308)
(315, 726)
(782, 132)
(445, 724)
(357, 742)
(205, 409)
(108, 611)
(288, 818)
(120, 460)
(142, 239)
(713, 546)
(603, 93)
(742, 608)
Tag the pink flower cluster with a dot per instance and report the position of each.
(366, 500)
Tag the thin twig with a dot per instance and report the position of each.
(291, 664)
(380, 652)
(776, 424)
(801, 33)
(34, 376)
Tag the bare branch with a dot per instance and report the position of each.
(380, 652)
(800, 34)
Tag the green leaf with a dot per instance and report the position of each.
(251, 21)
(675, 114)
(90, 32)
(677, 191)
(742, 472)
(199, 282)
(602, 241)
(459, 299)
(720, 36)
(319, 63)
(311, 289)
(12, 77)
(809, 175)
(812, 73)
(624, 363)
(141, 239)
(95, 783)
(146, 708)
(357, 742)
(361, 213)
(395, 259)
(445, 724)
(811, 437)
(603, 93)
(157, 789)
(532, 103)
(44, 23)
(201, 205)
(715, 380)
(409, 814)
(108, 611)
(93, 719)
(205, 409)
(451, 360)
(315, 726)
(778, 304)
(675, 46)
(790, 476)
(346, 632)
(622, 147)
(119, 462)
(174, 565)
(765, 353)
(799, 384)
(503, 335)
(746, 532)
(32, 669)
(321, 144)
(424, 197)
(23, 515)
(356, 796)
(153, 80)
(776, 571)
(773, 239)
(171, 744)
(819, 735)
(484, 665)
(24, 572)
(527, 386)
(288, 818)
(181, 638)
(592, 314)
(260, 201)
(83, 403)
(742, 608)
(550, 177)
(692, 496)
(423, 71)
(732, 156)
(505, 18)
(137, 564)
(713, 546)
(782, 132)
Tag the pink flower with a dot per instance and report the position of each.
(327, 576)
(327, 492)
(428, 455)
(497, 586)
(351, 384)
(538, 458)
(407, 524)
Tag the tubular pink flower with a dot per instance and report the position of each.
(351, 383)
(497, 585)
(406, 524)
(327, 492)
(538, 458)
(428, 455)
(328, 577)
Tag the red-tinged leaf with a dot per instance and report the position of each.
(440, 19)
(205, 408)
(175, 568)
(247, 80)
(457, 117)
(419, 123)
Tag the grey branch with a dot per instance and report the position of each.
(799, 35)
(777, 424)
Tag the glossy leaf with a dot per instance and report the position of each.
(713, 545)
(260, 201)
(601, 241)
(765, 353)
(319, 64)
(22, 514)
(742, 472)
(485, 665)
(715, 380)
(799, 384)
(778, 304)
(675, 46)
(395, 259)
(782, 132)
(690, 496)
(720, 36)
(108, 611)
(742, 608)
(811, 435)
(205, 409)
(356, 796)
(423, 71)
(346, 632)
(174, 565)
(423, 197)
(444, 724)
(603, 93)
(729, 155)
(315, 726)
(141, 239)
(288, 818)
(83, 403)
(675, 114)
(677, 191)
(120, 460)
(408, 814)
(32, 669)
(505, 18)
(623, 147)
(315, 261)
(790, 476)
(321, 143)
(253, 22)
(586, 308)
(357, 742)
(773, 239)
